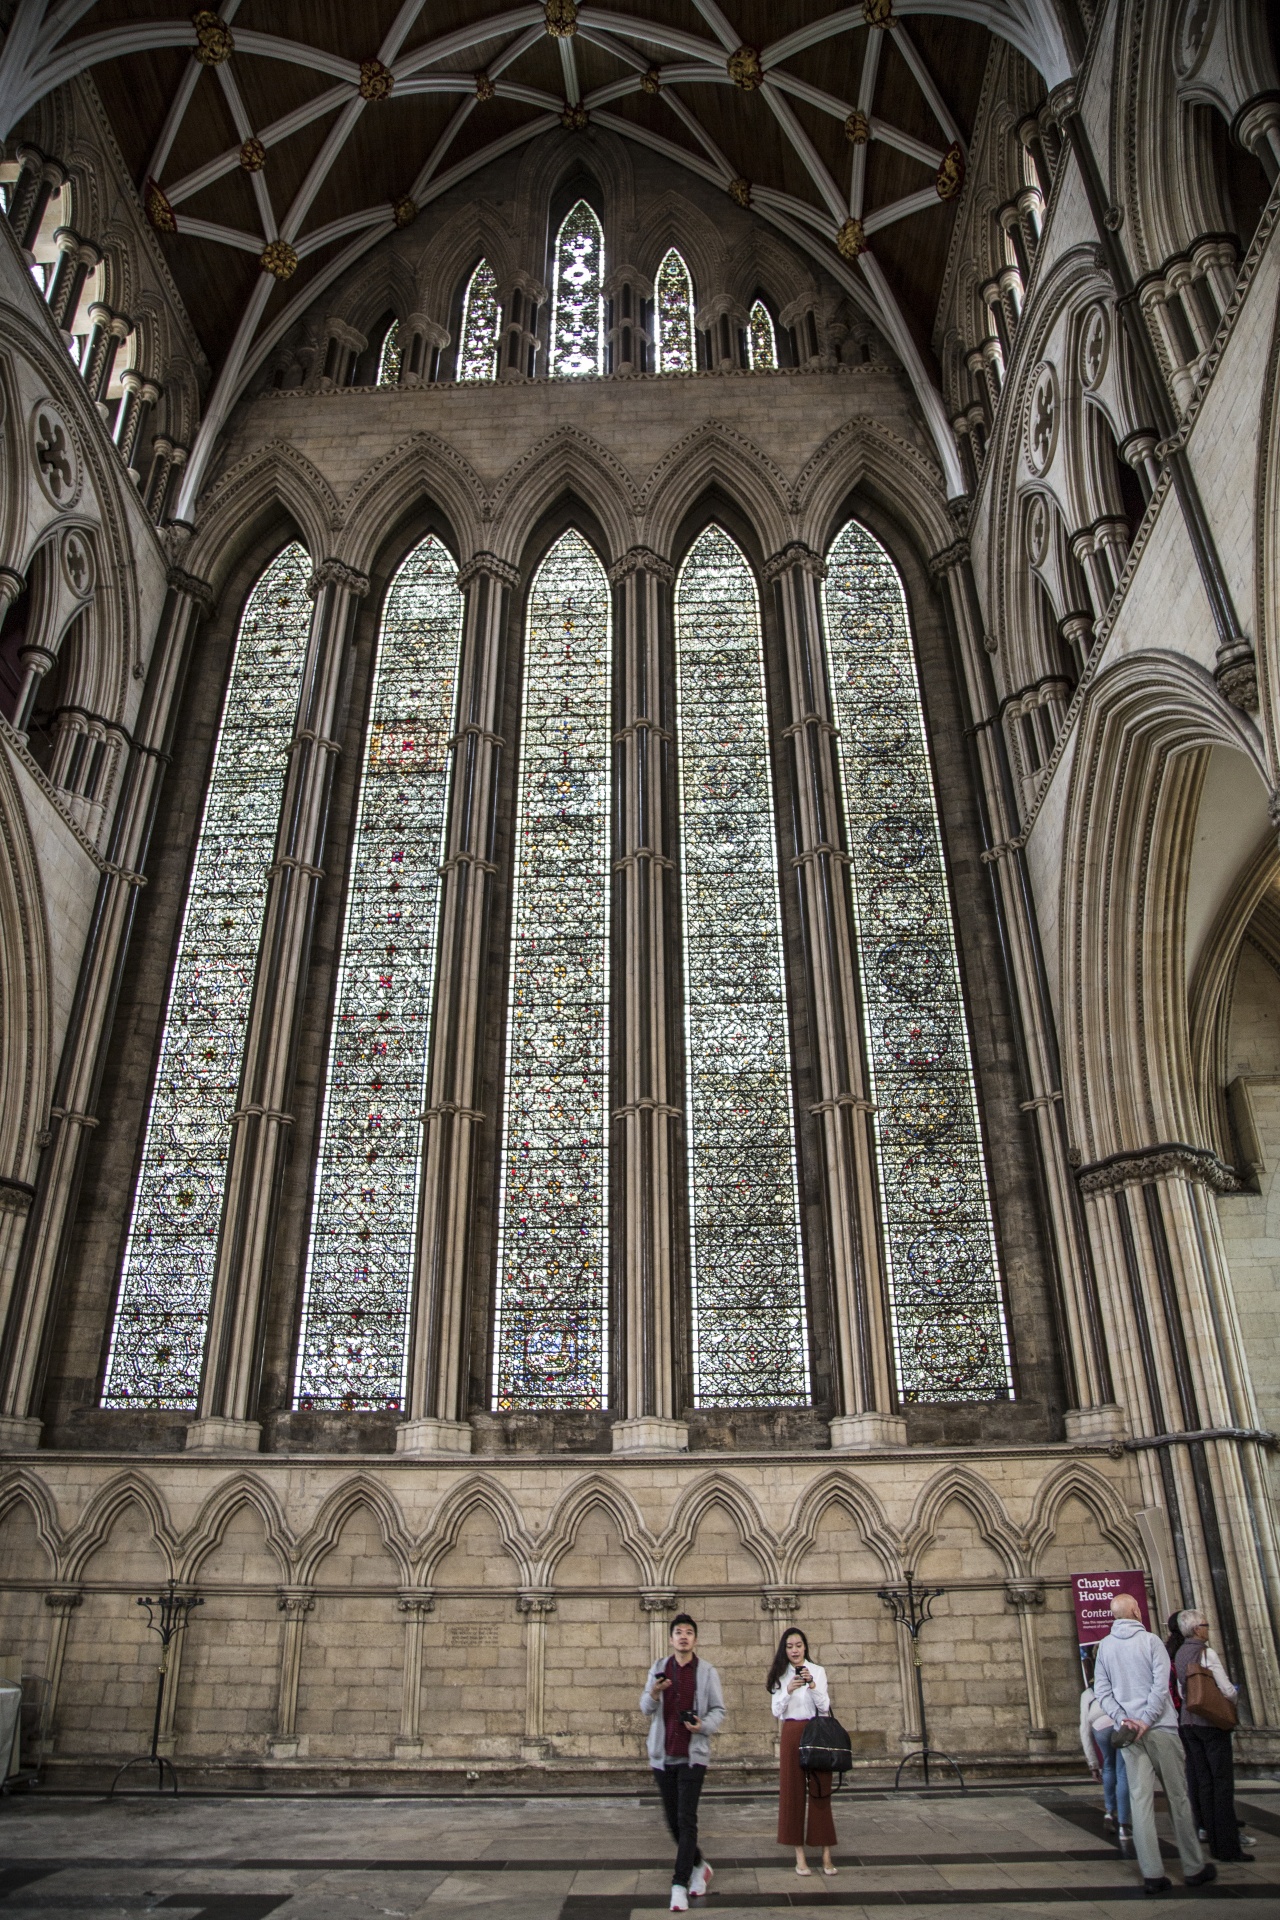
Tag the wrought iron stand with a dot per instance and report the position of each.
(911, 1606)
(174, 1610)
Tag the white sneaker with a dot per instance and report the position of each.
(679, 1900)
(700, 1879)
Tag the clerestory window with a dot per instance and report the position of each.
(389, 357)
(674, 288)
(762, 345)
(577, 309)
(481, 326)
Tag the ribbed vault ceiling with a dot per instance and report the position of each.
(275, 141)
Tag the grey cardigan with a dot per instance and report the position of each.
(708, 1704)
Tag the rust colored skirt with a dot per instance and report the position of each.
(797, 1796)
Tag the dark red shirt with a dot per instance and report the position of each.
(678, 1699)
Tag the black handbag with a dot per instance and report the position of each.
(825, 1747)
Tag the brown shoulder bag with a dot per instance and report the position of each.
(1201, 1694)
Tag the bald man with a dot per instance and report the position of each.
(1131, 1683)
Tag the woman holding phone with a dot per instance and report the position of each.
(797, 1692)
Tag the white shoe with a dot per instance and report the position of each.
(1201, 1833)
(700, 1879)
(679, 1900)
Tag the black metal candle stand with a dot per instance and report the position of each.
(911, 1606)
(167, 1616)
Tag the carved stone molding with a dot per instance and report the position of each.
(1172, 1158)
(15, 1195)
(641, 560)
(658, 1599)
(337, 573)
(794, 554)
(485, 562)
(415, 1602)
(536, 1601)
(179, 581)
(295, 1601)
(63, 1600)
(1024, 1595)
(949, 559)
(778, 1600)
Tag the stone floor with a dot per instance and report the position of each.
(1015, 1852)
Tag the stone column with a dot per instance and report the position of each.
(171, 1665)
(35, 187)
(1027, 1598)
(1094, 1414)
(414, 1604)
(77, 261)
(437, 1394)
(659, 1603)
(110, 331)
(260, 1126)
(535, 1604)
(866, 1416)
(295, 1604)
(32, 1310)
(645, 919)
(62, 1603)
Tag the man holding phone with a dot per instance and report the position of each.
(685, 1706)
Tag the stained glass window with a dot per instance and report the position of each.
(749, 1338)
(577, 311)
(158, 1336)
(389, 358)
(481, 324)
(360, 1260)
(947, 1312)
(551, 1336)
(675, 316)
(762, 348)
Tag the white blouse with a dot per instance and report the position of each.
(806, 1702)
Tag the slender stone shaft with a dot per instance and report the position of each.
(233, 1352)
(437, 1359)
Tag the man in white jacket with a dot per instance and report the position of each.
(1131, 1680)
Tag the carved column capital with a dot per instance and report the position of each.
(794, 554)
(63, 1600)
(485, 562)
(538, 1601)
(779, 1600)
(641, 560)
(415, 1602)
(193, 587)
(337, 573)
(1023, 1595)
(658, 1599)
(949, 559)
(295, 1601)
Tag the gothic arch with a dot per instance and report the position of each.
(548, 163)
(669, 220)
(865, 454)
(1266, 528)
(1133, 790)
(362, 1490)
(597, 1493)
(22, 1488)
(422, 467)
(717, 1490)
(982, 1503)
(26, 985)
(1210, 993)
(568, 461)
(479, 1493)
(1076, 1480)
(274, 477)
(477, 230)
(713, 455)
(206, 1531)
(91, 1530)
(838, 1488)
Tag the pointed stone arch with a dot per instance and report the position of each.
(714, 455)
(362, 1490)
(568, 461)
(983, 1505)
(22, 1488)
(26, 988)
(717, 1490)
(1077, 1480)
(838, 1487)
(422, 466)
(597, 1493)
(273, 478)
(91, 1531)
(478, 1493)
(865, 453)
(206, 1531)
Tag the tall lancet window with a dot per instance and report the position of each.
(675, 316)
(551, 1333)
(360, 1260)
(762, 347)
(949, 1335)
(750, 1344)
(389, 357)
(157, 1339)
(481, 326)
(577, 309)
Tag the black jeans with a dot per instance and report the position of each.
(681, 1788)
(1210, 1764)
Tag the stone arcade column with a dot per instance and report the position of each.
(645, 920)
(1026, 1598)
(866, 1416)
(1094, 1415)
(27, 1330)
(413, 1604)
(536, 1604)
(437, 1394)
(259, 1129)
(1179, 1358)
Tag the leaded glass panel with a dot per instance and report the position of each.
(551, 1334)
(577, 311)
(389, 358)
(762, 347)
(158, 1337)
(750, 1345)
(360, 1261)
(949, 1335)
(675, 316)
(481, 324)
